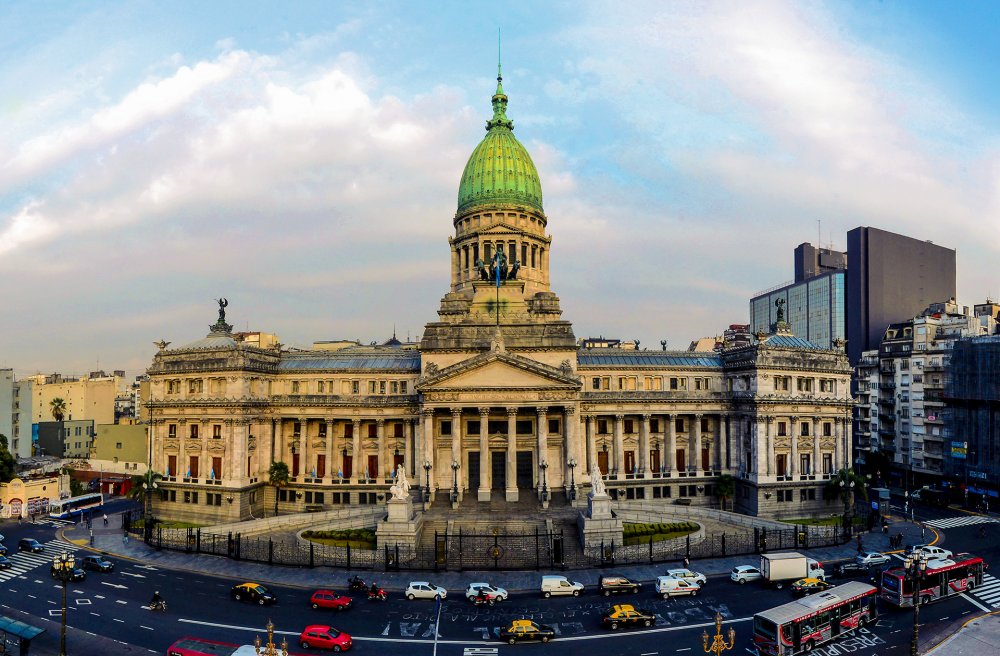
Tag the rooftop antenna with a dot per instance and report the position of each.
(819, 230)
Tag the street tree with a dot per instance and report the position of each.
(278, 477)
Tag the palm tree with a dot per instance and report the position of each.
(844, 485)
(144, 486)
(58, 408)
(278, 477)
(725, 487)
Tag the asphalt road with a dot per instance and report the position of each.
(114, 605)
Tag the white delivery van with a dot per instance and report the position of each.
(560, 585)
(670, 586)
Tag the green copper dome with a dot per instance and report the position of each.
(500, 170)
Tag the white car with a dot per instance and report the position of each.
(669, 586)
(872, 558)
(424, 590)
(932, 552)
(743, 573)
(499, 594)
(688, 575)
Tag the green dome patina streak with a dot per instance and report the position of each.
(500, 170)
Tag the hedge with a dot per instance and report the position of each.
(638, 530)
(359, 534)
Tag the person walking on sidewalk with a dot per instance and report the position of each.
(861, 548)
(105, 519)
(687, 563)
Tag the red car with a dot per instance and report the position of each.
(329, 599)
(324, 637)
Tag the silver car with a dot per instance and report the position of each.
(688, 575)
(743, 573)
(424, 590)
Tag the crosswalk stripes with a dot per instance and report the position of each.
(51, 521)
(989, 591)
(24, 561)
(962, 520)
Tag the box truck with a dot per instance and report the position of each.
(781, 568)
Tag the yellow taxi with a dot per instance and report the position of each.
(809, 585)
(253, 593)
(627, 615)
(524, 630)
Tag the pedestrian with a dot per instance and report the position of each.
(91, 537)
(861, 548)
(687, 562)
(124, 538)
(923, 533)
(19, 518)
(105, 519)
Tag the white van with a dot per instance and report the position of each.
(669, 586)
(560, 585)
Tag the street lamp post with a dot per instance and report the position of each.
(454, 481)
(718, 642)
(63, 565)
(427, 481)
(915, 565)
(572, 479)
(545, 487)
(270, 649)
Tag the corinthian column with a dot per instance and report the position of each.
(456, 449)
(644, 447)
(484, 454)
(619, 445)
(510, 491)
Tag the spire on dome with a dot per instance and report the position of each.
(499, 99)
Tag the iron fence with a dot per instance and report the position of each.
(494, 549)
(715, 545)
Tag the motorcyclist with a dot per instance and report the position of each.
(355, 582)
(156, 601)
(481, 595)
(373, 591)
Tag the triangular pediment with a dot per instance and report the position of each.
(498, 228)
(499, 370)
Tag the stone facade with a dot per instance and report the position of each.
(496, 399)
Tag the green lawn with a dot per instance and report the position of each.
(656, 537)
(646, 533)
(353, 544)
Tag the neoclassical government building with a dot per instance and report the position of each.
(496, 400)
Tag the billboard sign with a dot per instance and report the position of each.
(959, 450)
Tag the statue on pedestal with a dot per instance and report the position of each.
(598, 485)
(400, 490)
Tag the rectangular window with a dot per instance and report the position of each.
(781, 464)
(706, 425)
(602, 426)
(171, 430)
(782, 429)
(381, 387)
(804, 428)
(394, 387)
(654, 425)
(355, 387)
(553, 426)
(194, 431)
(322, 429)
(681, 461)
(673, 383)
(348, 430)
(373, 430)
(295, 387)
(472, 427)
(805, 384)
(827, 429)
(371, 387)
(629, 426)
(596, 382)
(216, 467)
(445, 427)
(679, 424)
(402, 387)
(804, 464)
(827, 463)
(296, 429)
(216, 431)
(193, 467)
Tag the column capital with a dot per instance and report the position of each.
(511, 411)
(485, 412)
(542, 411)
(380, 422)
(698, 415)
(620, 417)
(427, 411)
(569, 409)
(669, 416)
(816, 419)
(456, 412)
(793, 419)
(646, 416)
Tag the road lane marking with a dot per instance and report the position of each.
(115, 585)
(138, 576)
(95, 614)
(596, 636)
(118, 620)
(975, 603)
(120, 601)
(148, 628)
(33, 596)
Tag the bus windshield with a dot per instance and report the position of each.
(765, 627)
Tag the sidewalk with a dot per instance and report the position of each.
(109, 541)
(976, 637)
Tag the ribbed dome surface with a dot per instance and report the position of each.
(500, 169)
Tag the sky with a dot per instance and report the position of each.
(302, 159)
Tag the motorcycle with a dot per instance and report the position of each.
(377, 596)
(485, 600)
(356, 583)
(158, 605)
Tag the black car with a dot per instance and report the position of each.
(524, 630)
(852, 568)
(30, 544)
(76, 574)
(97, 563)
(253, 593)
(5, 562)
(627, 615)
(614, 584)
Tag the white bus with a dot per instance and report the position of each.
(76, 506)
(802, 625)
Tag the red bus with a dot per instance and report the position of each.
(202, 647)
(799, 626)
(945, 577)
